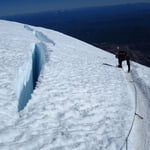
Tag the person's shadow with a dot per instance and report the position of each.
(108, 65)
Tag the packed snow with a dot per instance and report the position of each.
(59, 93)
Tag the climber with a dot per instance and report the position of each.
(123, 55)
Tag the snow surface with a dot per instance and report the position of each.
(78, 99)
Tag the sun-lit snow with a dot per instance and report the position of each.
(78, 99)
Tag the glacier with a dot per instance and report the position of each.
(57, 93)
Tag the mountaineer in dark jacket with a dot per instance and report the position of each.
(123, 55)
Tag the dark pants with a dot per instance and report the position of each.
(120, 63)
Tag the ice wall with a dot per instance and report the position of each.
(29, 74)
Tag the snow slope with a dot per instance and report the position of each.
(140, 77)
(60, 93)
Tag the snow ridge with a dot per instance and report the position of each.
(43, 38)
(28, 28)
(39, 35)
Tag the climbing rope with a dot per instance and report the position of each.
(126, 140)
(135, 113)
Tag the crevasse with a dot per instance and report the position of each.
(29, 75)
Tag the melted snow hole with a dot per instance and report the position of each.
(30, 74)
